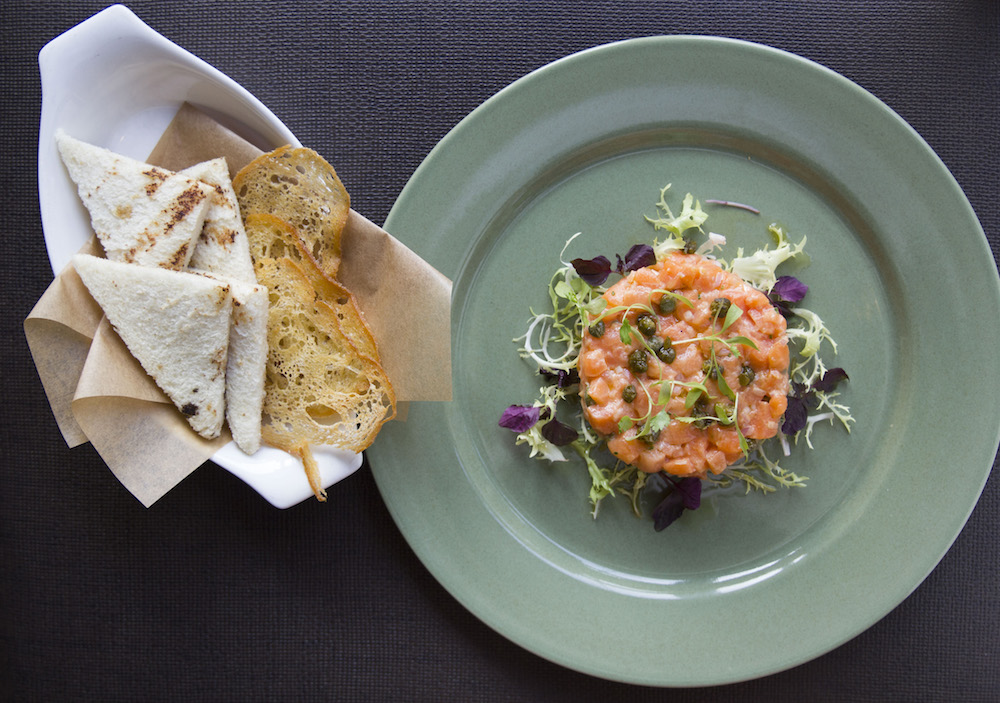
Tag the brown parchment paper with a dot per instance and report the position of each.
(99, 393)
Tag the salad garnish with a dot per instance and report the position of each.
(553, 340)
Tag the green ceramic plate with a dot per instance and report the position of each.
(901, 272)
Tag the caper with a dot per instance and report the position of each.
(709, 368)
(690, 246)
(666, 353)
(597, 329)
(646, 324)
(628, 393)
(703, 422)
(667, 304)
(719, 307)
(637, 361)
(703, 417)
(747, 375)
(650, 439)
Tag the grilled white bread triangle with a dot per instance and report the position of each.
(176, 324)
(141, 214)
(224, 253)
(246, 364)
(222, 247)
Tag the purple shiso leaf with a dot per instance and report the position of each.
(802, 399)
(795, 415)
(669, 509)
(799, 390)
(830, 380)
(789, 289)
(685, 494)
(690, 490)
(519, 418)
(558, 433)
(594, 271)
(639, 256)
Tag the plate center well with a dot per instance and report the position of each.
(603, 192)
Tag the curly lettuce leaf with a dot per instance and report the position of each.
(758, 269)
(691, 217)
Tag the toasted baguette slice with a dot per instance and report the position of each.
(176, 325)
(246, 363)
(141, 214)
(319, 388)
(272, 238)
(222, 247)
(300, 187)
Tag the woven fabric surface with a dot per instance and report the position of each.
(211, 594)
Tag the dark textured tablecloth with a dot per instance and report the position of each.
(212, 594)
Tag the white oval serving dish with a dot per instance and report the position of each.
(114, 82)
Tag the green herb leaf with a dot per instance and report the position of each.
(625, 332)
(658, 422)
(692, 397)
(596, 306)
(720, 381)
(739, 339)
(731, 316)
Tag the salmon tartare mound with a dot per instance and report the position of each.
(689, 383)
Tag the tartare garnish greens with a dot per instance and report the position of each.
(553, 340)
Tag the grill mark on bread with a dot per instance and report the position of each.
(156, 178)
(219, 361)
(226, 236)
(179, 258)
(183, 205)
(144, 241)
